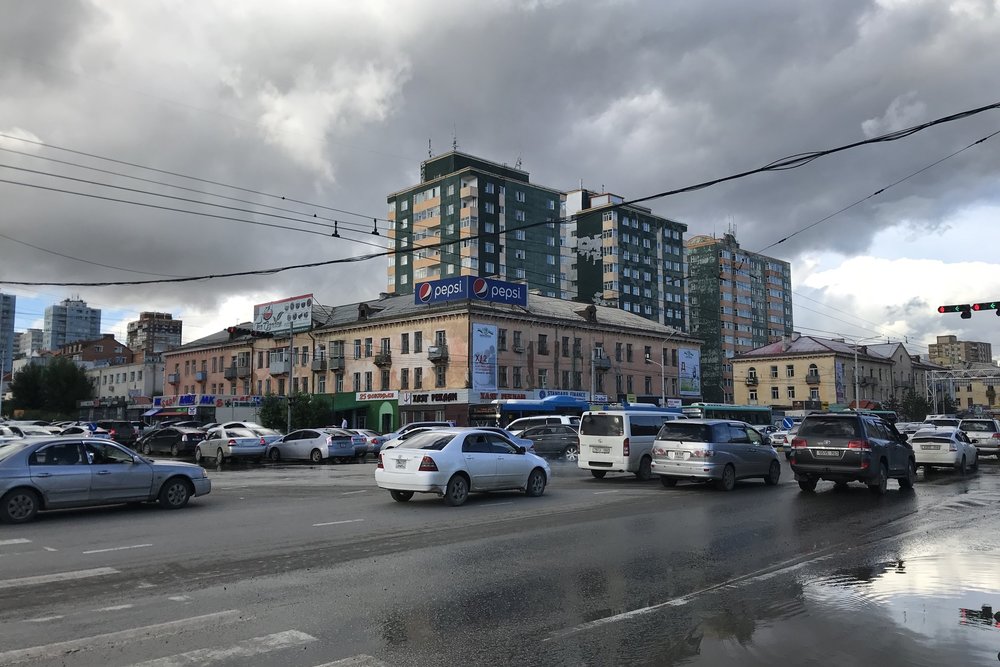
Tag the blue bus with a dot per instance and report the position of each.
(501, 413)
(758, 415)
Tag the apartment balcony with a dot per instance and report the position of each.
(318, 365)
(279, 366)
(174, 378)
(752, 381)
(468, 191)
(243, 370)
(517, 347)
(437, 353)
(230, 373)
(336, 363)
(200, 376)
(602, 363)
(383, 359)
(812, 378)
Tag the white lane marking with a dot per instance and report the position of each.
(506, 502)
(337, 523)
(356, 661)
(244, 649)
(60, 649)
(101, 551)
(179, 598)
(117, 607)
(50, 549)
(43, 619)
(17, 540)
(351, 493)
(57, 576)
(600, 493)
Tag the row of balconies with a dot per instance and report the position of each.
(811, 378)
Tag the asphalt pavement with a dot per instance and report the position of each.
(304, 565)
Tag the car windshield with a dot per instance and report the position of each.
(11, 449)
(428, 440)
(265, 431)
(611, 425)
(979, 427)
(943, 437)
(680, 430)
(942, 422)
(34, 430)
(829, 427)
(240, 433)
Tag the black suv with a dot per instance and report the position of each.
(844, 447)
(119, 431)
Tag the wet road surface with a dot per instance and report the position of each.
(312, 565)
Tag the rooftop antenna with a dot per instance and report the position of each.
(517, 165)
(429, 153)
(454, 137)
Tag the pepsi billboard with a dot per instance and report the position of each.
(471, 287)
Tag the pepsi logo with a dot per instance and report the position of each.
(425, 291)
(480, 288)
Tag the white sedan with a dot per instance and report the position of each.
(454, 462)
(944, 447)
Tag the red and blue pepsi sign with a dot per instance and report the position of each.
(471, 287)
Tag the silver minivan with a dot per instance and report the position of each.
(713, 450)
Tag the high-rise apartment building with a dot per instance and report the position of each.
(69, 321)
(8, 303)
(153, 333)
(579, 245)
(28, 341)
(738, 301)
(948, 351)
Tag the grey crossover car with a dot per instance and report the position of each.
(845, 447)
(60, 472)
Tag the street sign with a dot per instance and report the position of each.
(787, 423)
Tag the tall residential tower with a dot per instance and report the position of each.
(69, 321)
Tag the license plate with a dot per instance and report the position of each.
(827, 453)
(930, 447)
(677, 456)
(601, 450)
(400, 463)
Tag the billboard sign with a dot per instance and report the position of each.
(690, 371)
(470, 287)
(277, 317)
(484, 357)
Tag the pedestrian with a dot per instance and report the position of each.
(343, 423)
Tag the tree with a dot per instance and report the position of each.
(28, 388)
(55, 388)
(914, 407)
(272, 412)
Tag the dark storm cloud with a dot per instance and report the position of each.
(334, 104)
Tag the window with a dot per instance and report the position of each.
(774, 373)
(618, 351)
(753, 395)
(215, 362)
(518, 346)
(439, 338)
(368, 350)
(789, 371)
(368, 380)
(404, 378)
(439, 376)
(357, 348)
(565, 346)
(321, 384)
(648, 385)
(519, 195)
(517, 377)
(814, 394)
(501, 339)
(404, 343)
(418, 378)
(384, 380)
(628, 384)
(357, 382)
(628, 353)
(502, 376)
(339, 383)
(774, 393)
(384, 346)
(791, 391)
(490, 188)
(418, 342)
(543, 345)
(543, 378)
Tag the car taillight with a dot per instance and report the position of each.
(625, 447)
(231, 442)
(111, 433)
(952, 447)
(427, 464)
(329, 440)
(799, 443)
(380, 462)
(184, 438)
(262, 440)
(995, 436)
(861, 445)
(703, 453)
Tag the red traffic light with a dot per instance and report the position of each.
(955, 308)
(986, 305)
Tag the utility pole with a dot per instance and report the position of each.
(288, 389)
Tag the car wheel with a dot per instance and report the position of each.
(808, 484)
(19, 506)
(572, 453)
(962, 468)
(645, 472)
(175, 451)
(274, 455)
(881, 484)
(536, 483)
(911, 476)
(175, 493)
(773, 474)
(198, 458)
(599, 474)
(219, 456)
(728, 480)
(146, 449)
(668, 482)
(457, 491)
(316, 456)
(401, 496)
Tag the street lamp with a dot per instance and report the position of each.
(663, 380)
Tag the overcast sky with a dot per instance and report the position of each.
(333, 104)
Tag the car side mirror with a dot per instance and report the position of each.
(520, 450)
(767, 440)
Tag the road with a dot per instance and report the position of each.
(312, 565)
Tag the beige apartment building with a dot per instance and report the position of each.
(394, 360)
(948, 350)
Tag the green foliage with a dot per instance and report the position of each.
(272, 412)
(308, 411)
(55, 388)
(949, 406)
(914, 407)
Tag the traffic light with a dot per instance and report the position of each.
(963, 308)
(234, 332)
(987, 305)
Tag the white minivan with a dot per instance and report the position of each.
(620, 440)
(524, 423)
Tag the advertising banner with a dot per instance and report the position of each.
(841, 393)
(278, 317)
(484, 357)
(690, 372)
(471, 287)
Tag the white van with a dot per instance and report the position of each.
(620, 440)
(518, 425)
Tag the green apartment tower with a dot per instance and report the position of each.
(738, 301)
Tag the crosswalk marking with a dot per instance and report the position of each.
(244, 649)
(17, 540)
(356, 661)
(337, 523)
(56, 576)
(60, 649)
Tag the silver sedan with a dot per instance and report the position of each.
(59, 472)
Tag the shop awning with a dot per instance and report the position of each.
(150, 413)
(173, 413)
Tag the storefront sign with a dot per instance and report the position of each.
(279, 317)
(433, 397)
(582, 395)
(487, 396)
(377, 396)
(471, 287)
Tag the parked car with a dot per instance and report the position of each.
(56, 472)
(847, 447)
(119, 431)
(178, 440)
(783, 439)
(373, 441)
(454, 462)
(713, 450)
(403, 437)
(519, 441)
(620, 440)
(525, 423)
(944, 447)
(315, 444)
(908, 428)
(84, 432)
(228, 443)
(560, 440)
(412, 425)
(7, 435)
(941, 420)
(985, 435)
(29, 430)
